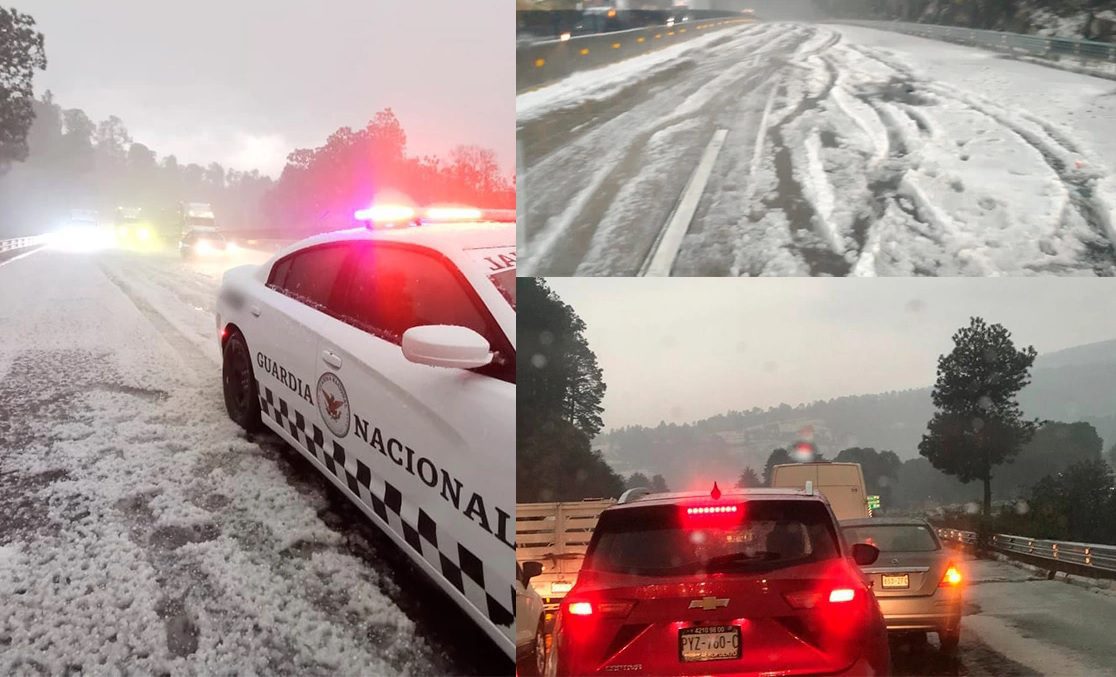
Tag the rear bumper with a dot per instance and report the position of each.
(921, 613)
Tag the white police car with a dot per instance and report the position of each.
(386, 356)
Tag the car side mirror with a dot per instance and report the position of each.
(530, 570)
(864, 554)
(443, 345)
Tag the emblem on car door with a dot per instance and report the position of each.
(708, 603)
(333, 404)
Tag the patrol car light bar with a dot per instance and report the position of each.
(393, 215)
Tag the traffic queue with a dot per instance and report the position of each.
(793, 579)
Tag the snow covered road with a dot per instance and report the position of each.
(848, 151)
(143, 533)
(1050, 626)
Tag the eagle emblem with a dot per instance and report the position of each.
(333, 404)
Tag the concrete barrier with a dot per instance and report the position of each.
(542, 63)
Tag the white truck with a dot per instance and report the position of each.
(841, 483)
(555, 535)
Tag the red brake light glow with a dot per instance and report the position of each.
(711, 509)
(580, 608)
(809, 599)
(603, 608)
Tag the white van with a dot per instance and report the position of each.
(841, 483)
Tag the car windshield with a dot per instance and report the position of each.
(665, 541)
(893, 537)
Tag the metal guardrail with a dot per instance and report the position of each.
(541, 63)
(1034, 45)
(21, 243)
(1061, 554)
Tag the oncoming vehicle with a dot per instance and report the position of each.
(749, 581)
(841, 483)
(386, 356)
(916, 581)
(530, 617)
(132, 229)
(203, 242)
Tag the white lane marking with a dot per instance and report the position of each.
(666, 249)
(20, 256)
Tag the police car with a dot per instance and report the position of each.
(386, 356)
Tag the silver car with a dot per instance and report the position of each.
(916, 580)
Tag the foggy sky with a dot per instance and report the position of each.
(682, 349)
(245, 82)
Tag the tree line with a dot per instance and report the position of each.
(54, 159)
(559, 387)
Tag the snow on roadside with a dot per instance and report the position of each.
(1077, 107)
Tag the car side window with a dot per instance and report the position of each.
(279, 273)
(310, 275)
(396, 288)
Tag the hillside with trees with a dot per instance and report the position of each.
(1088, 19)
(1076, 385)
(559, 387)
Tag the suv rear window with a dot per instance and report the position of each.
(664, 541)
(894, 537)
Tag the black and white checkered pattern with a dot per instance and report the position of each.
(474, 578)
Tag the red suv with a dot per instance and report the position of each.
(755, 581)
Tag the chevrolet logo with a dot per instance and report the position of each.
(708, 603)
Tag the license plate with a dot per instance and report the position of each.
(898, 581)
(709, 643)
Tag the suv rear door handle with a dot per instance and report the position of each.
(255, 310)
(331, 358)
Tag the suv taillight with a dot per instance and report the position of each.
(599, 608)
(809, 599)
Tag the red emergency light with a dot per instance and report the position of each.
(390, 216)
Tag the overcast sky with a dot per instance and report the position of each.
(243, 82)
(682, 349)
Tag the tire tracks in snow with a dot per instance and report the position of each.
(1053, 146)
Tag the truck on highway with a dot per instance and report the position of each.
(841, 483)
(555, 535)
(196, 215)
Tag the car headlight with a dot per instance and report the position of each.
(143, 233)
(203, 247)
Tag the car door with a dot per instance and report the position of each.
(289, 317)
(430, 450)
(525, 612)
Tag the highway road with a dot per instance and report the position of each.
(794, 149)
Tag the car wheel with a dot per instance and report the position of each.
(540, 647)
(242, 400)
(949, 639)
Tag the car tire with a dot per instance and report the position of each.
(242, 399)
(949, 639)
(540, 647)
